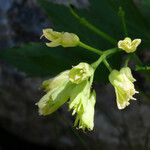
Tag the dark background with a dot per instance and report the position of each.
(22, 21)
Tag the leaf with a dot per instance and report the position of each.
(38, 60)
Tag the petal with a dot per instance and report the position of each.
(127, 72)
(54, 43)
(136, 42)
(56, 82)
(80, 73)
(50, 34)
(54, 99)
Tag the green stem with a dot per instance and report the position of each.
(103, 55)
(126, 62)
(122, 17)
(137, 59)
(90, 48)
(111, 51)
(107, 65)
(97, 51)
(90, 26)
(97, 63)
(102, 58)
(128, 59)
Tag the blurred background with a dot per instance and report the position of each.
(25, 63)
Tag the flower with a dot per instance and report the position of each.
(64, 39)
(128, 45)
(58, 91)
(82, 102)
(74, 84)
(80, 73)
(124, 88)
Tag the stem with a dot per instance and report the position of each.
(103, 58)
(111, 51)
(90, 26)
(103, 54)
(99, 52)
(90, 48)
(137, 59)
(127, 62)
(107, 65)
(128, 59)
(122, 17)
(97, 63)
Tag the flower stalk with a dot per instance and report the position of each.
(90, 26)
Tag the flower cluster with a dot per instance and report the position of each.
(74, 85)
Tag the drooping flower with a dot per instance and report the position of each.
(82, 102)
(58, 91)
(74, 84)
(128, 45)
(124, 88)
(80, 73)
(64, 39)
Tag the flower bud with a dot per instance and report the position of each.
(80, 73)
(128, 45)
(69, 40)
(124, 88)
(64, 39)
(58, 92)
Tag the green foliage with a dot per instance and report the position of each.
(38, 60)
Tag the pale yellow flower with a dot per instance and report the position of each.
(82, 102)
(58, 91)
(73, 85)
(128, 45)
(80, 73)
(124, 88)
(64, 39)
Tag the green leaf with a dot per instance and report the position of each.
(38, 60)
